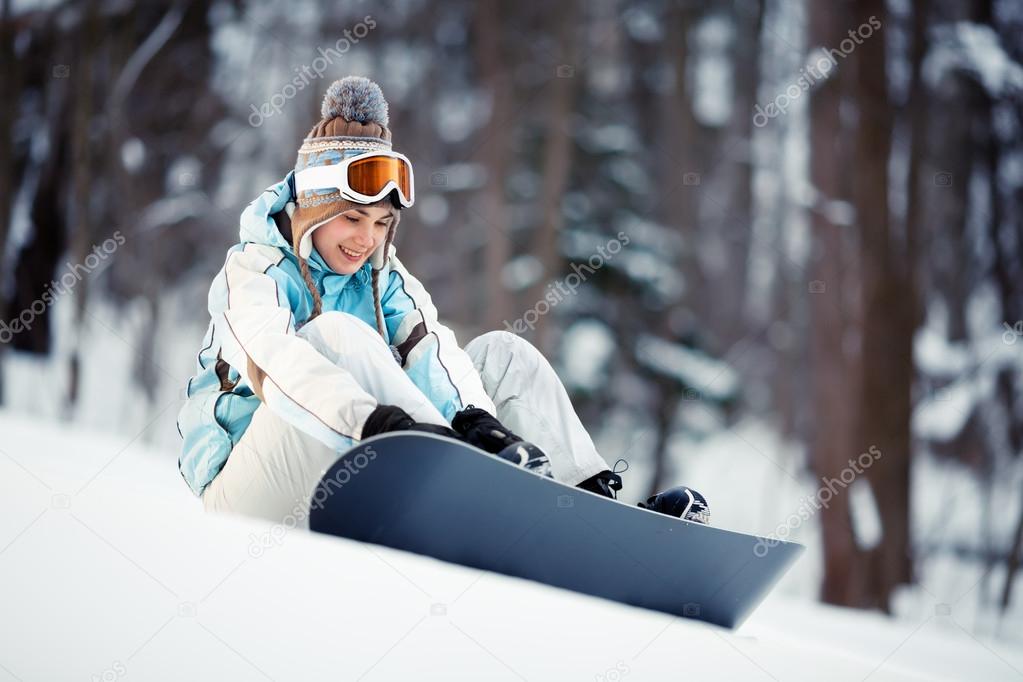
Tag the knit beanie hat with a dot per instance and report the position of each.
(354, 121)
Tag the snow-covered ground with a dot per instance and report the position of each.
(109, 570)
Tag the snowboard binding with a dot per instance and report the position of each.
(607, 482)
(680, 501)
(527, 456)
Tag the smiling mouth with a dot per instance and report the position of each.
(351, 255)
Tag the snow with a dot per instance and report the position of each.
(521, 272)
(133, 154)
(642, 25)
(652, 270)
(712, 104)
(457, 115)
(648, 234)
(587, 347)
(866, 518)
(943, 414)
(20, 7)
(757, 482)
(132, 70)
(695, 369)
(171, 210)
(433, 209)
(458, 177)
(962, 375)
(109, 569)
(629, 174)
(976, 50)
(935, 356)
(608, 139)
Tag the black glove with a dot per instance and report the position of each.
(480, 428)
(388, 418)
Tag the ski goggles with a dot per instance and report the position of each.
(364, 179)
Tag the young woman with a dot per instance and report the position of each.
(320, 337)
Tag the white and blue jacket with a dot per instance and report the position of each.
(256, 302)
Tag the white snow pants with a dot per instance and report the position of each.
(274, 468)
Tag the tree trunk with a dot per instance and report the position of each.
(9, 92)
(680, 200)
(888, 319)
(831, 379)
(494, 153)
(556, 168)
(750, 20)
(81, 173)
(1012, 562)
(668, 394)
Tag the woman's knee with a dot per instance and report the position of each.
(503, 346)
(337, 332)
(336, 320)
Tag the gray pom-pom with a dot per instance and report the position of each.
(355, 98)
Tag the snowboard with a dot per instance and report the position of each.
(445, 499)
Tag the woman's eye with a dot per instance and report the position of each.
(352, 219)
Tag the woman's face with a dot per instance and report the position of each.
(346, 241)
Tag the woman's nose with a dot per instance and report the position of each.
(364, 233)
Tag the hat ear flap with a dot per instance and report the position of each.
(379, 257)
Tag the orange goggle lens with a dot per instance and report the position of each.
(370, 175)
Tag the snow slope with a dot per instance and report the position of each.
(109, 570)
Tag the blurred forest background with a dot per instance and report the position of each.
(810, 215)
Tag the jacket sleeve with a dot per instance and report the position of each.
(288, 374)
(429, 352)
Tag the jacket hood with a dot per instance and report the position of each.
(257, 223)
(258, 226)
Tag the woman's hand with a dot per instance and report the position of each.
(390, 418)
(482, 429)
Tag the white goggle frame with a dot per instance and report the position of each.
(335, 177)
